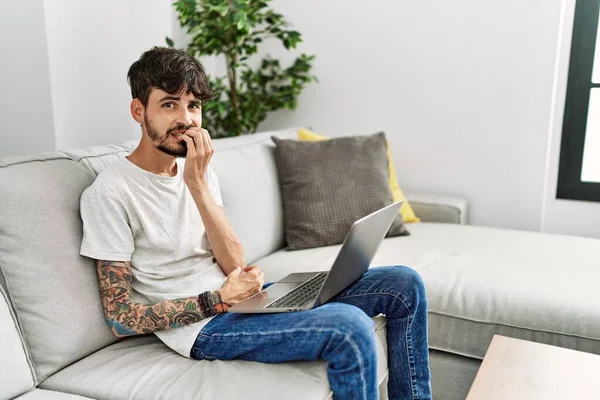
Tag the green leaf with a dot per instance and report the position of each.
(223, 10)
(221, 109)
(190, 306)
(169, 41)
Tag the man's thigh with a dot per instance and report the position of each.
(382, 290)
(276, 337)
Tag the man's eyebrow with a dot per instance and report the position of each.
(177, 98)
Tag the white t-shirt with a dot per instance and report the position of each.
(130, 214)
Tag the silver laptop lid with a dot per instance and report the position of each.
(357, 252)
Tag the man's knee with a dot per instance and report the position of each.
(407, 281)
(410, 275)
(351, 321)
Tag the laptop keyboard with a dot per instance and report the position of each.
(301, 295)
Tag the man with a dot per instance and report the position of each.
(169, 263)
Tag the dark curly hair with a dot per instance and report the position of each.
(170, 70)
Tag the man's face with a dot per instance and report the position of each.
(169, 114)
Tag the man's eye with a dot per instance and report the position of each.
(167, 104)
(195, 105)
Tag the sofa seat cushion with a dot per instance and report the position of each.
(485, 281)
(144, 368)
(41, 394)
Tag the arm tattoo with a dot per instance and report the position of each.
(126, 317)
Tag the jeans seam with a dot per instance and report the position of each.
(410, 359)
(355, 348)
(203, 335)
(371, 293)
(360, 364)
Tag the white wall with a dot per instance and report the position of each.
(26, 125)
(470, 93)
(91, 47)
(463, 89)
(73, 56)
(559, 215)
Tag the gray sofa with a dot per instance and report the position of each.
(55, 344)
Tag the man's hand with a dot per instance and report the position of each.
(199, 153)
(239, 286)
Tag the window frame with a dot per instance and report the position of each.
(579, 86)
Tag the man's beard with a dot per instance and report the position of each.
(179, 150)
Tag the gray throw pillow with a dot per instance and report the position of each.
(327, 185)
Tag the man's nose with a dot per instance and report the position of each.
(185, 117)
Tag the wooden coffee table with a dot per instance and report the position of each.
(519, 369)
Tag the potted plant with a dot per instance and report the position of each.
(234, 29)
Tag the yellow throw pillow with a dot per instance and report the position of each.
(406, 210)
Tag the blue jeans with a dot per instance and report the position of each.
(340, 332)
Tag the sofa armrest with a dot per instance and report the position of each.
(439, 208)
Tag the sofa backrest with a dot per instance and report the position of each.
(16, 370)
(54, 290)
(249, 184)
(96, 158)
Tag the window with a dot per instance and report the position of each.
(579, 170)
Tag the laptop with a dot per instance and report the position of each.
(306, 290)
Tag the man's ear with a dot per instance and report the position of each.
(137, 110)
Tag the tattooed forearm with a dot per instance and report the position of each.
(126, 317)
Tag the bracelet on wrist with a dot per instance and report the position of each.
(211, 303)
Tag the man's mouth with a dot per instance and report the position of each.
(177, 135)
